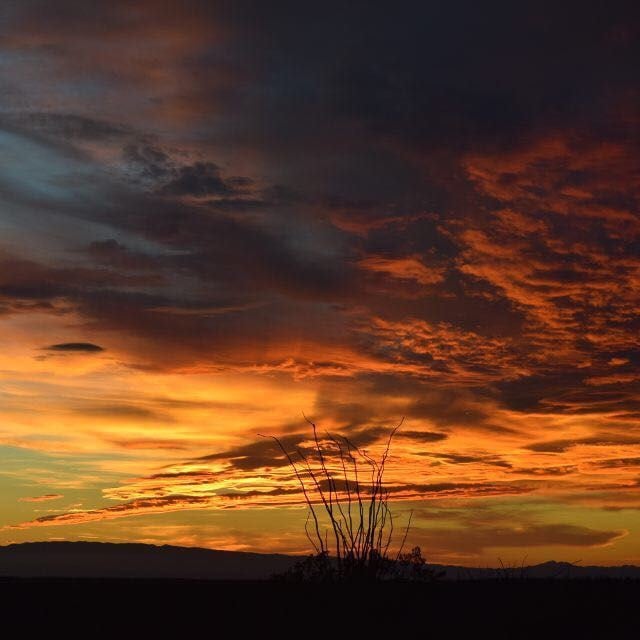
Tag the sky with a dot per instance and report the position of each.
(215, 216)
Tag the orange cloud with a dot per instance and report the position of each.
(45, 498)
(403, 268)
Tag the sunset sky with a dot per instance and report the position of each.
(217, 215)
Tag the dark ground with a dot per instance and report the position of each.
(229, 609)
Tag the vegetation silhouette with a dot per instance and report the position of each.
(349, 523)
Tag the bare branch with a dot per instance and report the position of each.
(358, 514)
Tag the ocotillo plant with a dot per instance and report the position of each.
(345, 483)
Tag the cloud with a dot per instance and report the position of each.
(546, 471)
(604, 440)
(203, 179)
(27, 280)
(113, 254)
(151, 444)
(403, 268)
(75, 347)
(115, 411)
(363, 437)
(259, 454)
(373, 225)
(44, 498)
(475, 540)
(256, 498)
(150, 161)
(422, 436)
(135, 507)
(616, 463)
(457, 458)
(68, 126)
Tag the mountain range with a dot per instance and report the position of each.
(130, 560)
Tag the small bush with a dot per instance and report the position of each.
(321, 568)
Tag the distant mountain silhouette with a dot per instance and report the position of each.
(110, 560)
(546, 570)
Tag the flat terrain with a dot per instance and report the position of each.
(134, 590)
(492, 609)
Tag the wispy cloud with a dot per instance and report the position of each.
(44, 498)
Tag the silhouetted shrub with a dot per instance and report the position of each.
(343, 487)
(321, 568)
(413, 567)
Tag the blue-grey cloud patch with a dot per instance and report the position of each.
(203, 179)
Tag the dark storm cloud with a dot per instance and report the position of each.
(203, 179)
(69, 126)
(427, 78)
(28, 280)
(439, 77)
(398, 105)
(113, 254)
(242, 254)
(151, 161)
(246, 260)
